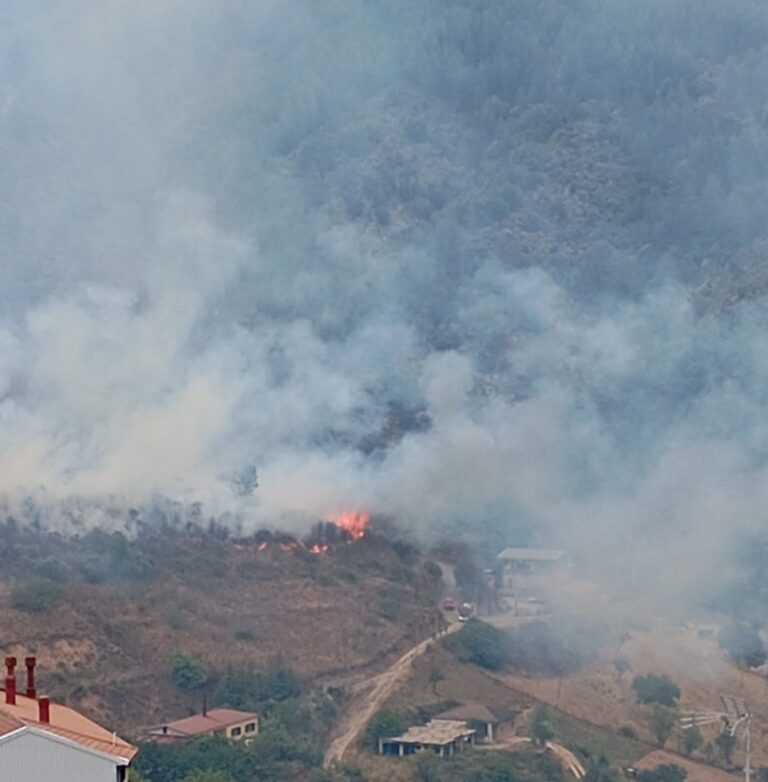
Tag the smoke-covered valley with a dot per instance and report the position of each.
(498, 265)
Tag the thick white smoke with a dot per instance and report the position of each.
(187, 298)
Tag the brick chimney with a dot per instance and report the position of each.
(10, 690)
(30, 662)
(10, 681)
(44, 704)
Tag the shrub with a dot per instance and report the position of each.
(391, 603)
(664, 773)
(176, 621)
(600, 771)
(36, 596)
(656, 689)
(208, 776)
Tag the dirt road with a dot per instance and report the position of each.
(568, 759)
(370, 695)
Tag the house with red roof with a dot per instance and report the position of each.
(230, 723)
(40, 740)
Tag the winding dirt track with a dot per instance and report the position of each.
(568, 759)
(368, 697)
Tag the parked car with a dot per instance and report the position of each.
(449, 604)
(466, 612)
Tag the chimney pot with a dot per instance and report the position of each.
(10, 665)
(44, 704)
(10, 690)
(31, 662)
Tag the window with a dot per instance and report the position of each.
(250, 727)
(236, 732)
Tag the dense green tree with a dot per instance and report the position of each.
(692, 739)
(384, 724)
(541, 727)
(656, 689)
(662, 723)
(726, 743)
(435, 675)
(247, 688)
(187, 672)
(479, 643)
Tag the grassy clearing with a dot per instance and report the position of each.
(590, 740)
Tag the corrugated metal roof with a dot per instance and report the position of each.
(65, 722)
(435, 733)
(532, 554)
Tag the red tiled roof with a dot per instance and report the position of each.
(65, 723)
(199, 725)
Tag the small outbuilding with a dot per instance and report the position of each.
(443, 737)
(498, 722)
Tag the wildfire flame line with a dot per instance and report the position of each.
(354, 524)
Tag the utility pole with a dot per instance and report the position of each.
(735, 715)
(748, 763)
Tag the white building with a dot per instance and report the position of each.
(519, 564)
(443, 737)
(41, 741)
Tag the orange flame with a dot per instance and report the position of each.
(355, 524)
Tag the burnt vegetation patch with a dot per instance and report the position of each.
(537, 648)
(555, 648)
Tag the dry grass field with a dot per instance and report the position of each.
(104, 647)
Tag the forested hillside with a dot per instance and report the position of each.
(496, 265)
